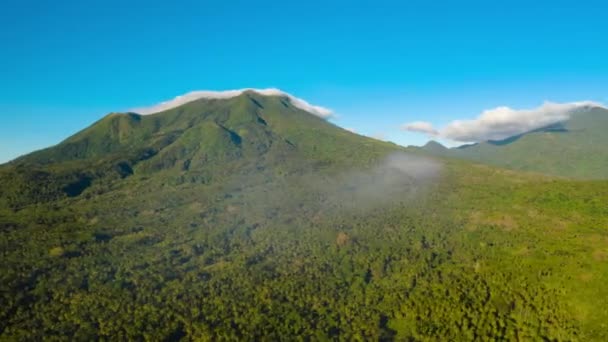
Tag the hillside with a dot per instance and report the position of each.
(250, 219)
(575, 148)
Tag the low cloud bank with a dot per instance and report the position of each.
(502, 122)
(227, 94)
(399, 177)
(396, 179)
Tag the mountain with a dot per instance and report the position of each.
(251, 218)
(202, 139)
(434, 147)
(574, 148)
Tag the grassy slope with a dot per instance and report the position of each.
(282, 245)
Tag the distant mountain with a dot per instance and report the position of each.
(575, 148)
(434, 147)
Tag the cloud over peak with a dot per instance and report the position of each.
(227, 94)
(502, 122)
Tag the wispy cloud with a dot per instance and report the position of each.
(208, 94)
(502, 122)
(420, 127)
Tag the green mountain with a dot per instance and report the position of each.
(574, 148)
(251, 219)
(205, 139)
(435, 148)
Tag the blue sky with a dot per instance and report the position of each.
(64, 64)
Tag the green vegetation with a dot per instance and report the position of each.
(575, 148)
(249, 219)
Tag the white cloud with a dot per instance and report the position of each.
(503, 122)
(207, 94)
(350, 129)
(420, 127)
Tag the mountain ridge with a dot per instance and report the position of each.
(571, 148)
(228, 94)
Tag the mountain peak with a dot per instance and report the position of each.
(434, 147)
(433, 144)
(228, 94)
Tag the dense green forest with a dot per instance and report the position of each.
(261, 222)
